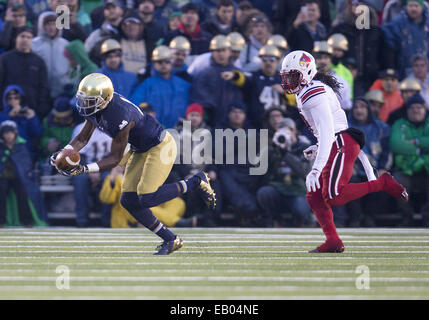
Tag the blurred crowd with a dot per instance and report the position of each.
(216, 64)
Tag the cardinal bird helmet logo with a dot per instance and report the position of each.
(304, 61)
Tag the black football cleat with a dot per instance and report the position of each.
(206, 191)
(168, 247)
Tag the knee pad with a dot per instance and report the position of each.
(130, 201)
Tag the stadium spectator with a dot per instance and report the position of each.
(408, 88)
(173, 21)
(167, 93)
(281, 43)
(261, 89)
(393, 8)
(340, 46)
(284, 14)
(27, 70)
(197, 213)
(15, 109)
(153, 30)
(86, 187)
(406, 33)
(420, 72)
(260, 33)
(80, 16)
(376, 101)
(57, 127)
(15, 173)
(134, 46)
(75, 29)
(284, 187)
(366, 46)
(409, 144)
(362, 211)
(50, 45)
(388, 84)
(123, 81)
(222, 21)
(323, 54)
(306, 28)
(80, 64)
(169, 212)
(209, 88)
(163, 9)
(203, 60)
(190, 28)
(113, 13)
(181, 48)
(15, 18)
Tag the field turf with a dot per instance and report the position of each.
(214, 264)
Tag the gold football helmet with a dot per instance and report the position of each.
(219, 42)
(94, 93)
(180, 43)
(375, 95)
(109, 45)
(338, 41)
(237, 41)
(161, 53)
(409, 84)
(270, 51)
(279, 41)
(322, 47)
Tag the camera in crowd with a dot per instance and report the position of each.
(283, 137)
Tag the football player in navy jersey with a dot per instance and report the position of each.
(148, 163)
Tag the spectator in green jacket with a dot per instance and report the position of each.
(409, 143)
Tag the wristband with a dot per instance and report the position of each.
(68, 147)
(93, 167)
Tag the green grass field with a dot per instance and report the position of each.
(213, 264)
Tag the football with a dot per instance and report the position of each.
(67, 159)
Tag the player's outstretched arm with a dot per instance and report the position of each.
(83, 136)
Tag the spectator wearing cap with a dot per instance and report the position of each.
(15, 173)
(112, 66)
(260, 32)
(408, 88)
(283, 186)
(420, 72)
(376, 101)
(50, 45)
(15, 18)
(377, 149)
(181, 48)
(409, 142)
(222, 22)
(237, 43)
(26, 69)
(388, 84)
(393, 8)
(306, 29)
(238, 185)
(404, 35)
(191, 29)
(163, 10)
(113, 13)
(261, 88)
(196, 212)
(133, 44)
(365, 45)
(16, 109)
(154, 31)
(76, 29)
(173, 21)
(58, 127)
(167, 93)
(209, 88)
(80, 65)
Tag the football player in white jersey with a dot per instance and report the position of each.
(337, 147)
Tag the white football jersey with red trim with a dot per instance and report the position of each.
(317, 93)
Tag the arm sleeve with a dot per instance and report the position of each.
(319, 109)
(366, 166)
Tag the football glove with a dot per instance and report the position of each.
(312, 181)
(80, 168)
(311, 152)
(53, 158)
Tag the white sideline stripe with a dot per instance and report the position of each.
(209, 241)
(208, 278)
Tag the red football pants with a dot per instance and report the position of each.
(334, 187)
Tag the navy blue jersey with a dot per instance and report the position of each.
(146, 132)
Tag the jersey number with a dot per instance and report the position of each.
(269, 98)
